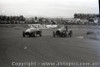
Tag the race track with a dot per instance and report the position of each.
(15, 48)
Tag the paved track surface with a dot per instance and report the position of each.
(15, 48)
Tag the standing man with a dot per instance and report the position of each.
(66, 27)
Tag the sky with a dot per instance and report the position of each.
(48, 8)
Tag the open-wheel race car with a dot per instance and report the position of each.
(32, 32)
(62, 32)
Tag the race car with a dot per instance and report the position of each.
(32, 32)
(62, 32)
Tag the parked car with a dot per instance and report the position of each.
(32, 32)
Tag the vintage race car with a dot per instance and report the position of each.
(62, 32)
(32, 32)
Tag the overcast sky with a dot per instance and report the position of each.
(48, 8)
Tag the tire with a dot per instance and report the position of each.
(23, 34)
(40, 34)
(54, 35)
(34, 34)
(70, 33)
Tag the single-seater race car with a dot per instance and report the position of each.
(62, 32)
(32, 32)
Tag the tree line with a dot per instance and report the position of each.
(78, 19)
(86, 16)
(11, 19)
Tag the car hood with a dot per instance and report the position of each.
(61, 29)
(31, 29)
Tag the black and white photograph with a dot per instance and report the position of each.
(49, 33)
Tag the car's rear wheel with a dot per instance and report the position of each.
(23, 34)
(40, 33)
(70, 33)
(54, 34)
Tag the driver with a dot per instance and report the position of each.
(66, 27)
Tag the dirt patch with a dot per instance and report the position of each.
(95, 35)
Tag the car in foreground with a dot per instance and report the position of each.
(32, 32)
(62, 32)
